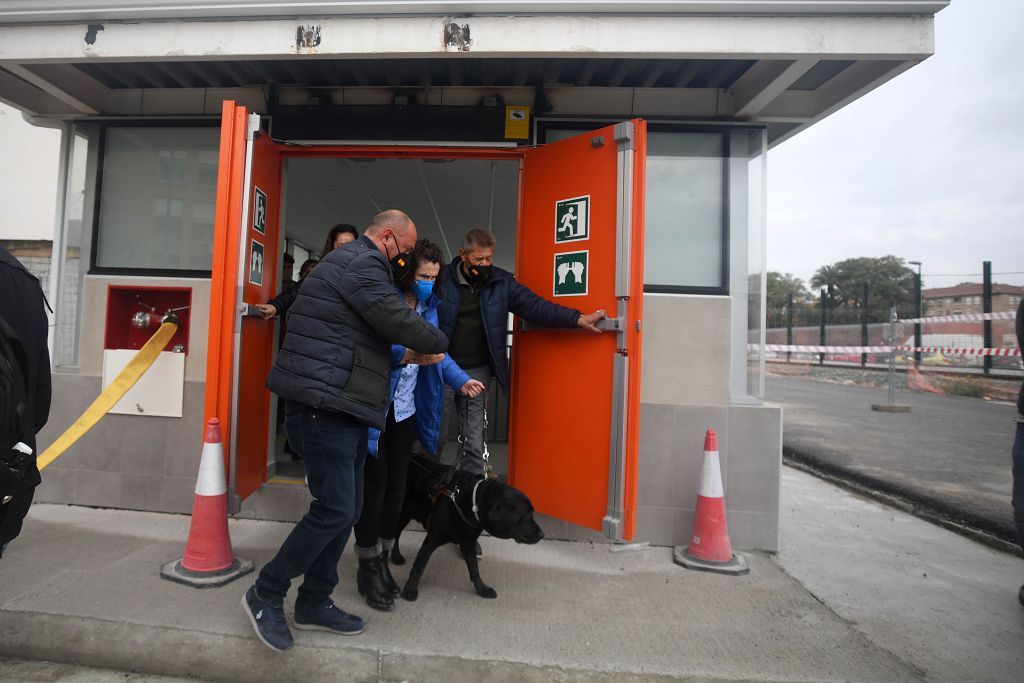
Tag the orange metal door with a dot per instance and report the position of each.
(244, 273)
(575, 395)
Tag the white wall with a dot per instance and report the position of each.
(28, 178)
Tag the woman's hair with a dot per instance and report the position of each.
(307, 265)
(333, 235)
(425, 251)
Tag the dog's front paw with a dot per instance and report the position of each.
(487, 592)
(410, 594)
(397, 557)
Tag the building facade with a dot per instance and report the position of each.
(207, 139)
(966, 297)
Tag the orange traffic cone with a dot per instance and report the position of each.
(710, 549)
(208, 560)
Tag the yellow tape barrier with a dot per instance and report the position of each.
(124, 381)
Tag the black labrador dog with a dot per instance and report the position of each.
(448, 515)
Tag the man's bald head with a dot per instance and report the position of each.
(392, 226)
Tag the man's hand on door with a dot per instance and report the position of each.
(267, 311)
(589, 322)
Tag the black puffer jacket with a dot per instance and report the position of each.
(23, 306)
(337, 352)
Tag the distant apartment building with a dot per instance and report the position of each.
(966, 298)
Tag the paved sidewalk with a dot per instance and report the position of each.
(940, 602)
(82, 586)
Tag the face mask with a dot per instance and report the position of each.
(401, 263)
(422, 289)
(477, 274)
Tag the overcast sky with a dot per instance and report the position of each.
(928, 167)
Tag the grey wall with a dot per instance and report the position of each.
(127, 461)
(685, 391)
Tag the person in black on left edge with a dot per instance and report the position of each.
(22, 307)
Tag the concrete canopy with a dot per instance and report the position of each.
(783, 65)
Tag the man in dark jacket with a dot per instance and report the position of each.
(475, 302)
(334, 370)
(22, 305)
(1018, 449)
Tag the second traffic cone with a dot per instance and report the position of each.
(208, 560)
(710, 549)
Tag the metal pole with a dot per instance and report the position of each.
(789, 325)
(864, 324)
(824, 299)
(920, 314)
(892, 342)
(892, 356)
(986, 302)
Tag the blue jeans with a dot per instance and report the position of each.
(333, 449)
(1018, 482)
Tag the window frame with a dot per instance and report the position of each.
(104, 126)
(543, 125)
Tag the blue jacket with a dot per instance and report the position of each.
(500, 295)
(429, 392)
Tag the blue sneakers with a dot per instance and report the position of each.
(268, 620)
(328, 617)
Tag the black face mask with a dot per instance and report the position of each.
(401, 263)
(476, 275)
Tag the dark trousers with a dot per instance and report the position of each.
(333, 449)
(384, 481)
(1018, 482)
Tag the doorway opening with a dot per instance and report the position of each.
(445, 196)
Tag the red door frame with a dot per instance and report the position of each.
(227, 243)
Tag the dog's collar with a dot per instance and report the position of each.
(453, 495)
(476, 509)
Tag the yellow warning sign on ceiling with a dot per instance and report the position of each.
(517, 123)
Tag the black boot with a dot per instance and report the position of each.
(370, 582)
(389, 580)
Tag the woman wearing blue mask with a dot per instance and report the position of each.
(417, 394)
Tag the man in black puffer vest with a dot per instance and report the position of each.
(1018, 450)
(333, 370)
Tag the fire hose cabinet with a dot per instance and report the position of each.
(134, 314)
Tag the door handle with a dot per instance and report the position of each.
(604, 324)
(250, 311)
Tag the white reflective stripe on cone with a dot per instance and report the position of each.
(211, 481)
(711, 476)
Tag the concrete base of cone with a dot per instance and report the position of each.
(886, 408)
(736, 566)
(173, 571)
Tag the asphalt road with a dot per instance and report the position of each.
(950, 454)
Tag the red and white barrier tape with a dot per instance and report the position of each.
(963, 318)
(795, 348)
(961, 351)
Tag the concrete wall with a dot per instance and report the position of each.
(690, 334)
(127, 461)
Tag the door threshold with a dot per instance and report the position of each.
(286, 481)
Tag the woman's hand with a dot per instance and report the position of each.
(472, 388)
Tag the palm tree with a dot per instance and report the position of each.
(827, 277)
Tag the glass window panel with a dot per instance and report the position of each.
(684, 212)
(684, 207)
(156, 198)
